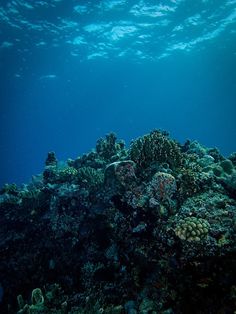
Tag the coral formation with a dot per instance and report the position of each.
(51, 159)
(192, 229)
(90, 177)
(144, 229)
(155, 147)
(162, 186)
(109, 149)
(121, 173)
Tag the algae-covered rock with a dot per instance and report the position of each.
(162, 186)
(120, 173)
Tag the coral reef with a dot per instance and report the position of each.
(146, 229)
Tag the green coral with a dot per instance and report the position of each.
(67, 174)
(53, 174)
(37, 306)
(232, 157)
(227, 166)
(155, 147)
(225, 173)
(90, 177)
(191, 179)
(37, 297)
(11, 189)
(109, 149)
(221, 169)
(32, 199)
(230, 182)
(20, 302)
(51, 159)
(192, 229)
(188, 183)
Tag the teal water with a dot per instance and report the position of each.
(72, 71)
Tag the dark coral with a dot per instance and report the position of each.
(109, 149)
(150, 229)
(155, 147)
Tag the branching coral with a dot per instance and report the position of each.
(155, 147)
(109, 148)
(90, 177)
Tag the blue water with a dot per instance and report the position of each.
(72, 71)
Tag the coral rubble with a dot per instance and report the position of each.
(145, 229)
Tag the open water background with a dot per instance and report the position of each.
(72, 71)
